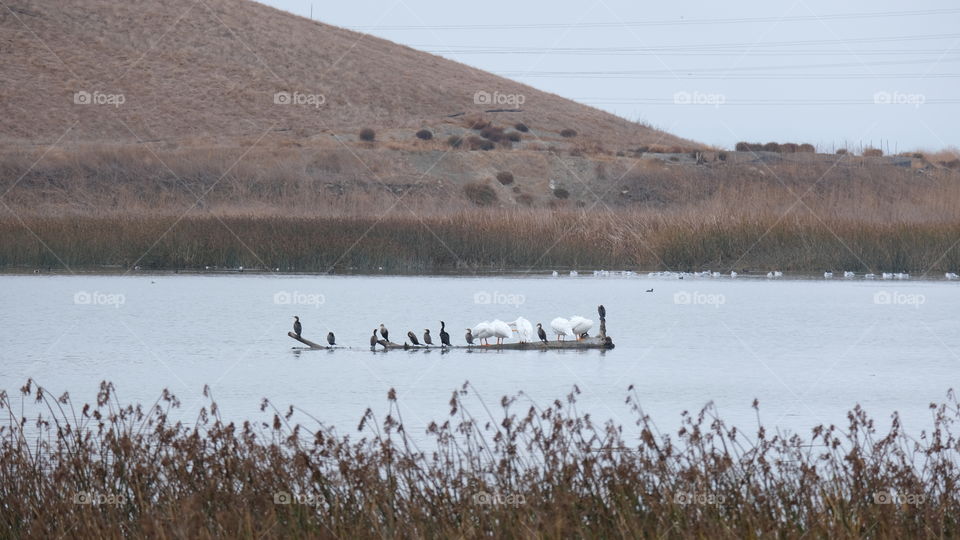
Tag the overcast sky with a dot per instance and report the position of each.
(830, 73)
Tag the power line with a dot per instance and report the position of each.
(683, 22)
(754, 102)
(745, 77)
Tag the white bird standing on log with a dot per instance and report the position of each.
(501, 330)
(524, 329)
(483, 331)
(580, 325)
(297, 327)
(561, 327)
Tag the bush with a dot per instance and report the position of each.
(568, 133)
(492, 133)
(424, 134)
(771, 147)
(525, 199)
(722, 156)
(476, 122)
(513, 136)
(476, 143)
(367, 134)
(841, 151)
(742, 147)
(520, 126)
(807, 148)
(561, 193)
(455, 141)
(789, 148)
(516, 189)
(505, 178)
(480, 194)
(873, 152)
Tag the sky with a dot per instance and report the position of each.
(834, 74)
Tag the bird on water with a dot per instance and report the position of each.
(384, 332)
(331, 339)
(297, 327)
(444, 335)
(541, 333)
(426, 336)
(469, 336)
(413, 338)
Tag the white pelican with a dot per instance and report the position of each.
(870, 276)
(561, 327)
(574, 273)
(501, 330)
(524, 329)
(900, 275)
(555, 273)
(733, 274)
(848, 274)
(828, 275)
(769, 275)
(580, 325)
(950, 275)
(483, 331)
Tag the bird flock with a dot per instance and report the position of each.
(575, 327)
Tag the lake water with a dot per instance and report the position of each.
(807, 349)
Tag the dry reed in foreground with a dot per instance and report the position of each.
(468, 241)
(523, 471)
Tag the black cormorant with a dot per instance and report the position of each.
(426, 336)
(413, 338)
(297, 327)
(444, 336)
(602, 311)
(384, 332)
(373, 339)
(541, 333)
(469, 336)
(331, 339)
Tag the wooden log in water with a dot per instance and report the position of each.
(595, 342)
(308, 343)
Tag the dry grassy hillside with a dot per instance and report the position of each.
(210, 70)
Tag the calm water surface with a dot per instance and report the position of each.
(807, 349)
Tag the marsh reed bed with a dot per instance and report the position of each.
(483, 240)
(517, 469)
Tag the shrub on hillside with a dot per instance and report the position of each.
(476, 143)
(841, 151)
(367, 134)
(455, 141)
(771, 147)
(480, 194)
(807, 148)
(742, 147)
(568, 133)
(476, 122)
(505, 178)
(424, 134)
(561, 193)
(525, 199)
(520, 126)
(513, 136)
(789, 148)
(873, 152)
(492, 133)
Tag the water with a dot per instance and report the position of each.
(807, 349)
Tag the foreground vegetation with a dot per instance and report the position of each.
(481, 240)
(109, 470)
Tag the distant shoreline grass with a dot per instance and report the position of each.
(514, 469)
(480, 241)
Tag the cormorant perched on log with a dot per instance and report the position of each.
(426, 336)
(297, 327)
(541, 333)
(373, 339)
(331, 339)
(444, 336)
(384, 332)
(413, 338)
(602, 311)
(469, 336)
